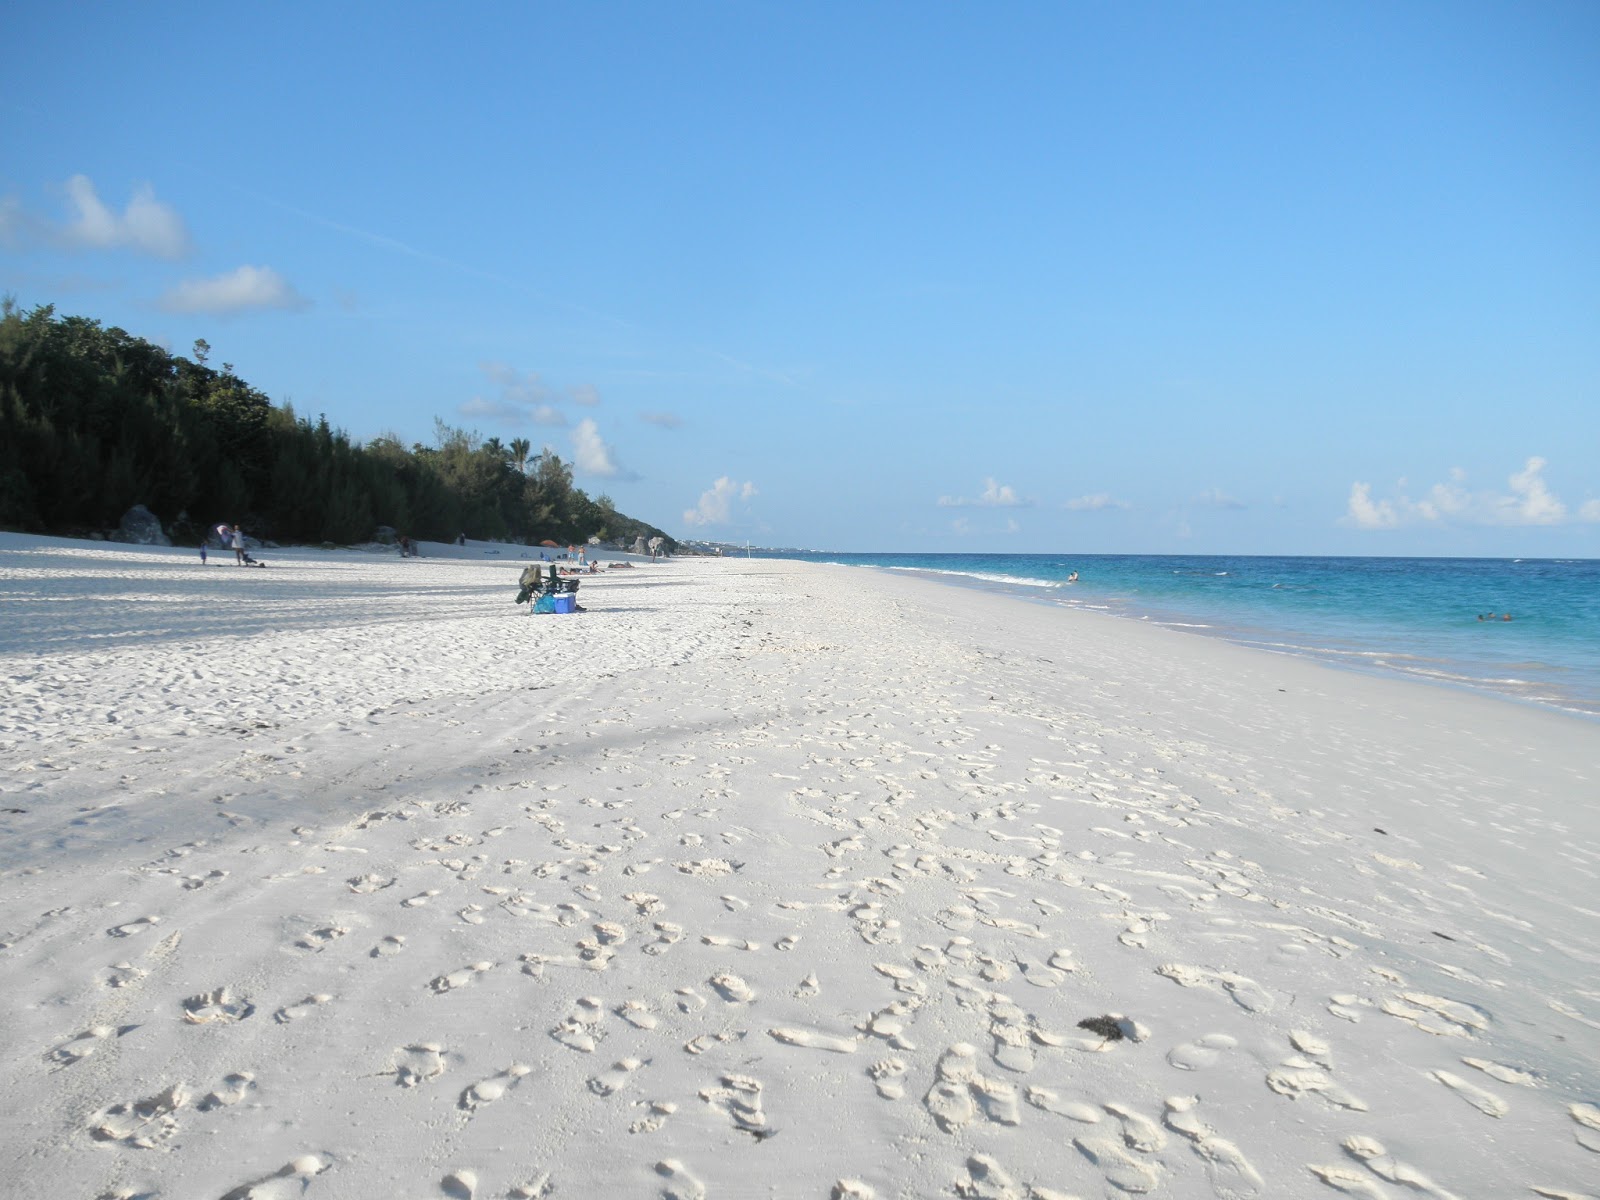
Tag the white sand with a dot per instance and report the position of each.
(346, 878)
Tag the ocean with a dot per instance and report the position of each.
(1416, 617)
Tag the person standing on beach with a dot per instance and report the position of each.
(238, 545)
(202, 552)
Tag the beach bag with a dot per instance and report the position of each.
(545, 604)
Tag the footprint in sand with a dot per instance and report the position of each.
(959, 1092)
(1484, 1101)
(459, 979)
(1203, 1052)
(811, 1039)
(616, 1077)
(728, 943)
(1232, 1176)
(1048, 1101)
(133, 928)
(321, 939)
(300, 1008)
(689, 1000)
(1502, 1072)
(852, 1189)
(1245, 992)
(888, 1076)
(1121, 1169)
(581, 1031)
(1381, 1163)
(364, 885)
(656, 1117)
(1588, 1118)
(739, 1098)
(124, 974)
(421, 1063)
(487, 1091)
(230, 1091)
(637, 1013)
(731, 988)
(420, 899)
(220, 1006)
(1139, 1132)
(289, 1180)
(667, 936)
(1349, 1181)
(460, 1185)
(677, 1182)
(1299, 1077)
(194, 882)
(391, 944)
(76, 1049)
(1436, 1014)
(142, 1124)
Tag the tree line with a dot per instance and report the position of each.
(94, 421)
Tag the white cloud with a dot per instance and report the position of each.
(146, 225)
(1095, 502)
(1362, 512)
(586, 394)
(591, 454)
(1528, 501)
(716, 503)
(1217, 498)
(240, 290)
(663, 420)
(523, 398)
(995, 495)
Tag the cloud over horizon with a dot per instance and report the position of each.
(716, 503)
(1096, 502)
(244, 289)
(994, 495)
(1529, 501)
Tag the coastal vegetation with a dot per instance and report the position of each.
(94, 420)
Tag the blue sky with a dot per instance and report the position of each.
(1233, 278)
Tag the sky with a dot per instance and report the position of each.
(1276, 278)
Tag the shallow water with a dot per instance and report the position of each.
(1417, 617)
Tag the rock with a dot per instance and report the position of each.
(141, 527)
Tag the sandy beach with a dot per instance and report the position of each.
(348, 878)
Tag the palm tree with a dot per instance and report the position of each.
(520, 449)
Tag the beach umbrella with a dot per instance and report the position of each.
(548, 542)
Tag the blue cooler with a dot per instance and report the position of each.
(566, 604)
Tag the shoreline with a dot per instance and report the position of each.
(762, 870)
(1342, 651)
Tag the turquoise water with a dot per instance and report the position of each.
(1416, 617)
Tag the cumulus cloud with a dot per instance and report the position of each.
(243, 289)
(592, 455)
(1528, 500)
(662, 420)
(146, 224)
(995, 495)
(716, 503)
(1095, 502)
(1365, 513)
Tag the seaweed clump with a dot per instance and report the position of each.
(1107, 1027)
